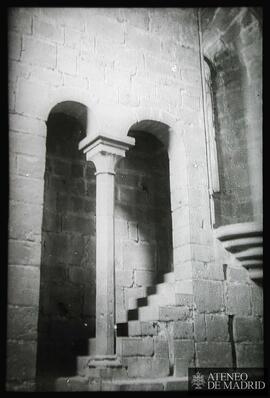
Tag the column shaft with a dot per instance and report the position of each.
(105, 317)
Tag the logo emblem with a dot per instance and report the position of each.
(198, 381)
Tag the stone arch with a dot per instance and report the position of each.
(67, 288)
(173, 139)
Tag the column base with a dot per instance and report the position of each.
(102, 361)
(101, 366)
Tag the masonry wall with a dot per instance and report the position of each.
(228, 317)
(63, 54)
(141, 64)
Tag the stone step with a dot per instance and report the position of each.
(162, 384)
(77, 383)
(94, 365)
(149, 313)
(169, 277)
(74, 383)
(161, 293)
(161, 300)
(134, 346)
(162, 313)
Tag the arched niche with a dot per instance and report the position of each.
(143, 226)
(67, 280)
(235, 60)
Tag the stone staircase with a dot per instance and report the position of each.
(146, 354)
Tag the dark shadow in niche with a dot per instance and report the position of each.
(143, 206)
(67, 289)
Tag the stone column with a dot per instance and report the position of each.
(104, 152)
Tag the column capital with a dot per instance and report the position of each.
(105, 151)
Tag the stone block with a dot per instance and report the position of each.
(56, 273)
(199, 327)
(203, 270)
(136, 346)
(75, 81)
(183, 271)
(133, 231)
(179, 385)
(182, 254)
(191, 75)
(79, 275)
(183, 330)
(25, 221)
(160, 367)
(73, 38)
(21, 386)
(124, 278)
(214, 354)
(128, 97)
(247, 329)
(30, 166)
(134, 328)
(137, 17)
(113, 31)
(26, 124)
(164, 25)
(28, 144)
(26, 189)
(22, 323)
(21, 360)
(64, 300)
(78, 224)
(14, 46)
(149, 328)
(24, 253)
(181, 366)
(29, 104)
(139, 367)
(208, 296)
(23, 285)
(190, 101)
(138, 256)
(67, 16)
(157, 67)
(39, 52)
(48, 31)
(202, 253)
(174, 313)
(136, 38)
(20, 20)
(180, 221)
(184, 299)
(237, 275)
(66, 60)
(249, 355)
(61, 167)
(134, 293)
(238, 300)
(183, 349)
(217, 327)
(161, 347)
(257, 300)
(181, 236)
(144, 278)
